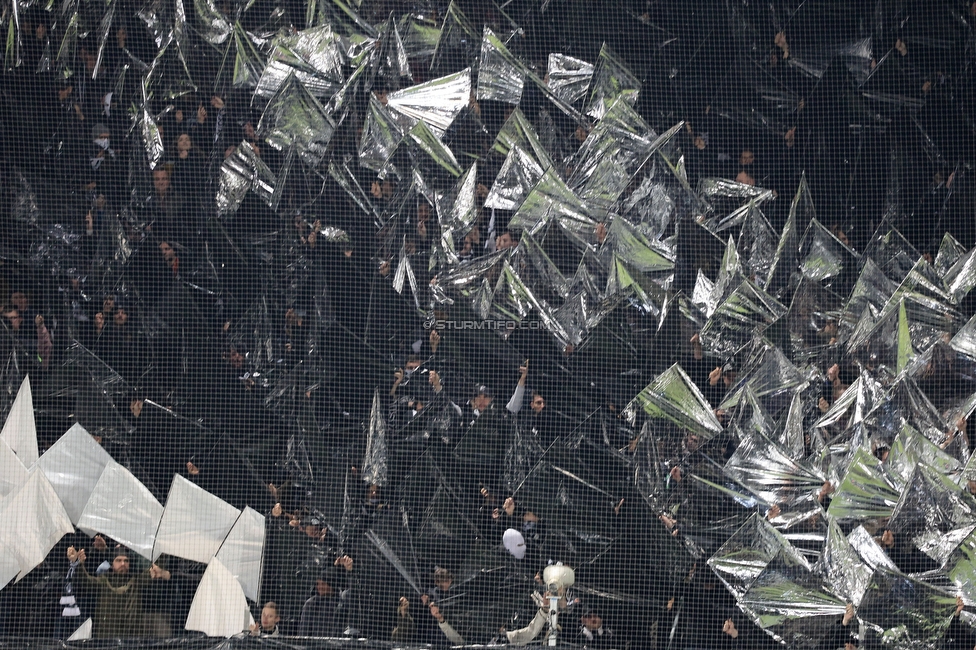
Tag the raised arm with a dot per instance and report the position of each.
(515, 404)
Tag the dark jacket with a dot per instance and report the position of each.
(118, 613)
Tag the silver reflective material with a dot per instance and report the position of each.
(419, 36)
(868, 491)
(950, 251)
(568, 77)
(551, 199)
(152, 140)
(516, 178)
(390, 59)
(673, 397)
(429, 145)
(381, 136)
(712, 188)
(910, 450)
(517, 130)
(747, 312)
(295, 119)
(240, 173)
(903, 612)
(435, 102)
(842, 567)
(933, 513)
(611, 155)
(863, 395)
(960, 278)
(822, 255)
(374, 470)
(964, 341)
(791, 603)
(869, 550)
(611, 80)
(769, 473)
(314, 56)
(788, 249)
(500, 76)
(748, 552)
(769, 376)
(212, 25)
(242, 63)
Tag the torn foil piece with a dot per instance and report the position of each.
(611, 80)
(381, 136)
(519, 173)
(294, 118)
(374, 469)
(791, 603)
(867, 492)
(901, 611)
(436, 102)
(568, 77)
(744, 556)
(842, 567)
(672, 396)
(500, 76)
(240, 173)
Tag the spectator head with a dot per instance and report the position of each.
(120, 563)
(443, 578)
(249, 133)
(100, 132)
(108, 304)
(121, 317)
(161, 179)
(538, 403)
(413, 362)
(269, 616)
(505, 240)
(19, 300)
(169, 253)
(482, 398)
(373, 494)
(13, 315)
(183, 145)
(323, 583)
(591, 619)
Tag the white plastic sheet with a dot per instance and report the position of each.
(194, 523)
(241, 552)
(13, 474)
(32, 521)
(19, 430)
(219, 607)
(84, 631)
(9, 568)
(123, 508)
(73, 465)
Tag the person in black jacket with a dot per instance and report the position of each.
(322, 614)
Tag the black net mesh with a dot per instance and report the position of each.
(617, 323)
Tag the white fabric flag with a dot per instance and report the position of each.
(73, 465)
(13, 474)
(241, 552)
(219, 607)
(123, 508)
(194, 523)
(19, 430)
(84, 631)
(32, 521)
